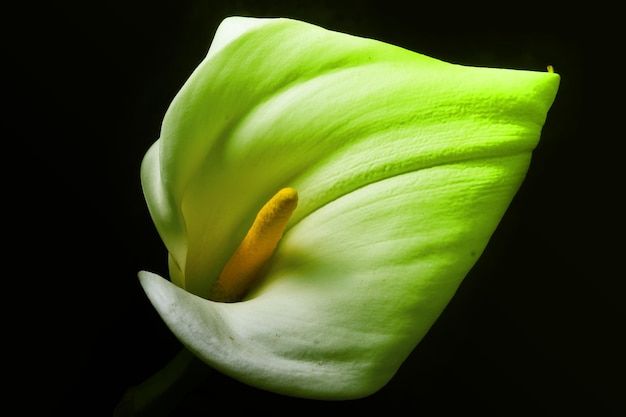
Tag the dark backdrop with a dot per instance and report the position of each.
(535, 328)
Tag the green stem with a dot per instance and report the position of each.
(158, 395)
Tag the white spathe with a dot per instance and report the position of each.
(404, 166)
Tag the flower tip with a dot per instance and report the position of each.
(286, 199)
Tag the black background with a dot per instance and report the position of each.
(535, 329)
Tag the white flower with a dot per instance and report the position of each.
(403, 165)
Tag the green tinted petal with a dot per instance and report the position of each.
(404, 166)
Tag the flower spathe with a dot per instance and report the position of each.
(403, 165)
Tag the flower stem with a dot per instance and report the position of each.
(158, 395)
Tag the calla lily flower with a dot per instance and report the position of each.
(376, 176)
